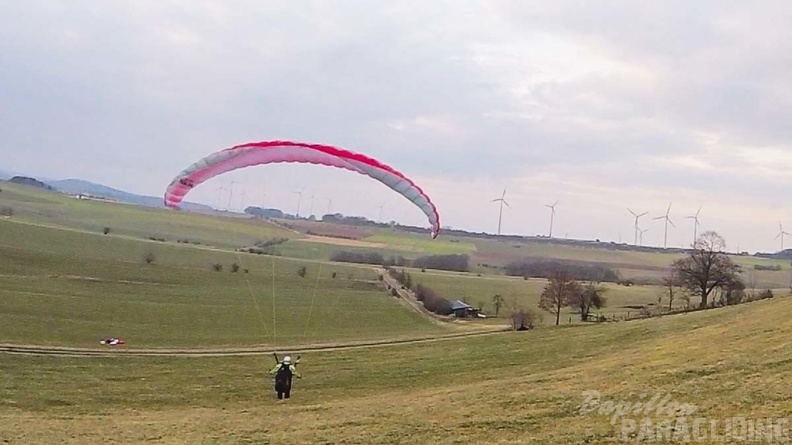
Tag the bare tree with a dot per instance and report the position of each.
(497, 301)
(707, 267)
(672, 284)
(591, 296)
(559, 292)
(524, 320)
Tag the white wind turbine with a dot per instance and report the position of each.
(220, 191)
(299, 200)
(380, 207)
(552, 215)
(640, 240)
(781, 234)
(695, 224)
(636, 215)
(502, 201)
(667, 221)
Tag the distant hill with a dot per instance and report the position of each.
(24, 180)
(75, 186)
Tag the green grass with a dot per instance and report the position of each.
(69, 287)
(423, 244)
(54, 209)
(525, 293)
(222, 230)
(64, 283)
(507, 388)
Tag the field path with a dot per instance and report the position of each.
(225, 352)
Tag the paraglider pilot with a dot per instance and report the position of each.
(284, 371)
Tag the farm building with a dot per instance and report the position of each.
(462, 309)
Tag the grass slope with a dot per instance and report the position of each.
(509, 388)
(479, 292)
(54, 209)
(69, 287)
(229, 231)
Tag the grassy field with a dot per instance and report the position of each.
(54, 209)
(224, 230)
(71, 287)
(63, 282)
(479, 291)
(507, 388)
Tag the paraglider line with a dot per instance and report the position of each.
(332, 306)
(313, 298)
(274, 332)
(253, 297)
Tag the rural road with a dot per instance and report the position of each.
(225, 352)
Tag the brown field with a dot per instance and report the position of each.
(329, 229)
(341, 241)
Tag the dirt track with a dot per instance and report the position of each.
(115, 351)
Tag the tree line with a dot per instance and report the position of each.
(549, 268)
(453, 262)
(706, 273)
(431, 299)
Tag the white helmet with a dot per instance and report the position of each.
(287, 360)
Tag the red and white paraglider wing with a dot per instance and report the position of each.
(259, 153)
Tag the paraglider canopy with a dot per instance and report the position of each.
(267, 152)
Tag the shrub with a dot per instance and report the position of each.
(525, 320)
(106, 230)
(432, 301)
(301, 271)
(6, 211)
(357, 257)
(402, 277)
(149, 257)
(456, 262)
(217, 267)
(398, 260)
(235, 268)
(576, 271)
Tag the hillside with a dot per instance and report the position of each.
(507, 388)
(77, 186)
(28, 181)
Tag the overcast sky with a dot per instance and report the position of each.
(599, 105)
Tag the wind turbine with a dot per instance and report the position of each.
(667, 220)
(242, 199)
(781, 233)
(299, 199)
(230, 194)
(552, 215)
(636, 215)
(642, 232)
(502, 200)
(380, 207)
(695, 224)
(329, 204)
(310, 210)
(219, 191)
